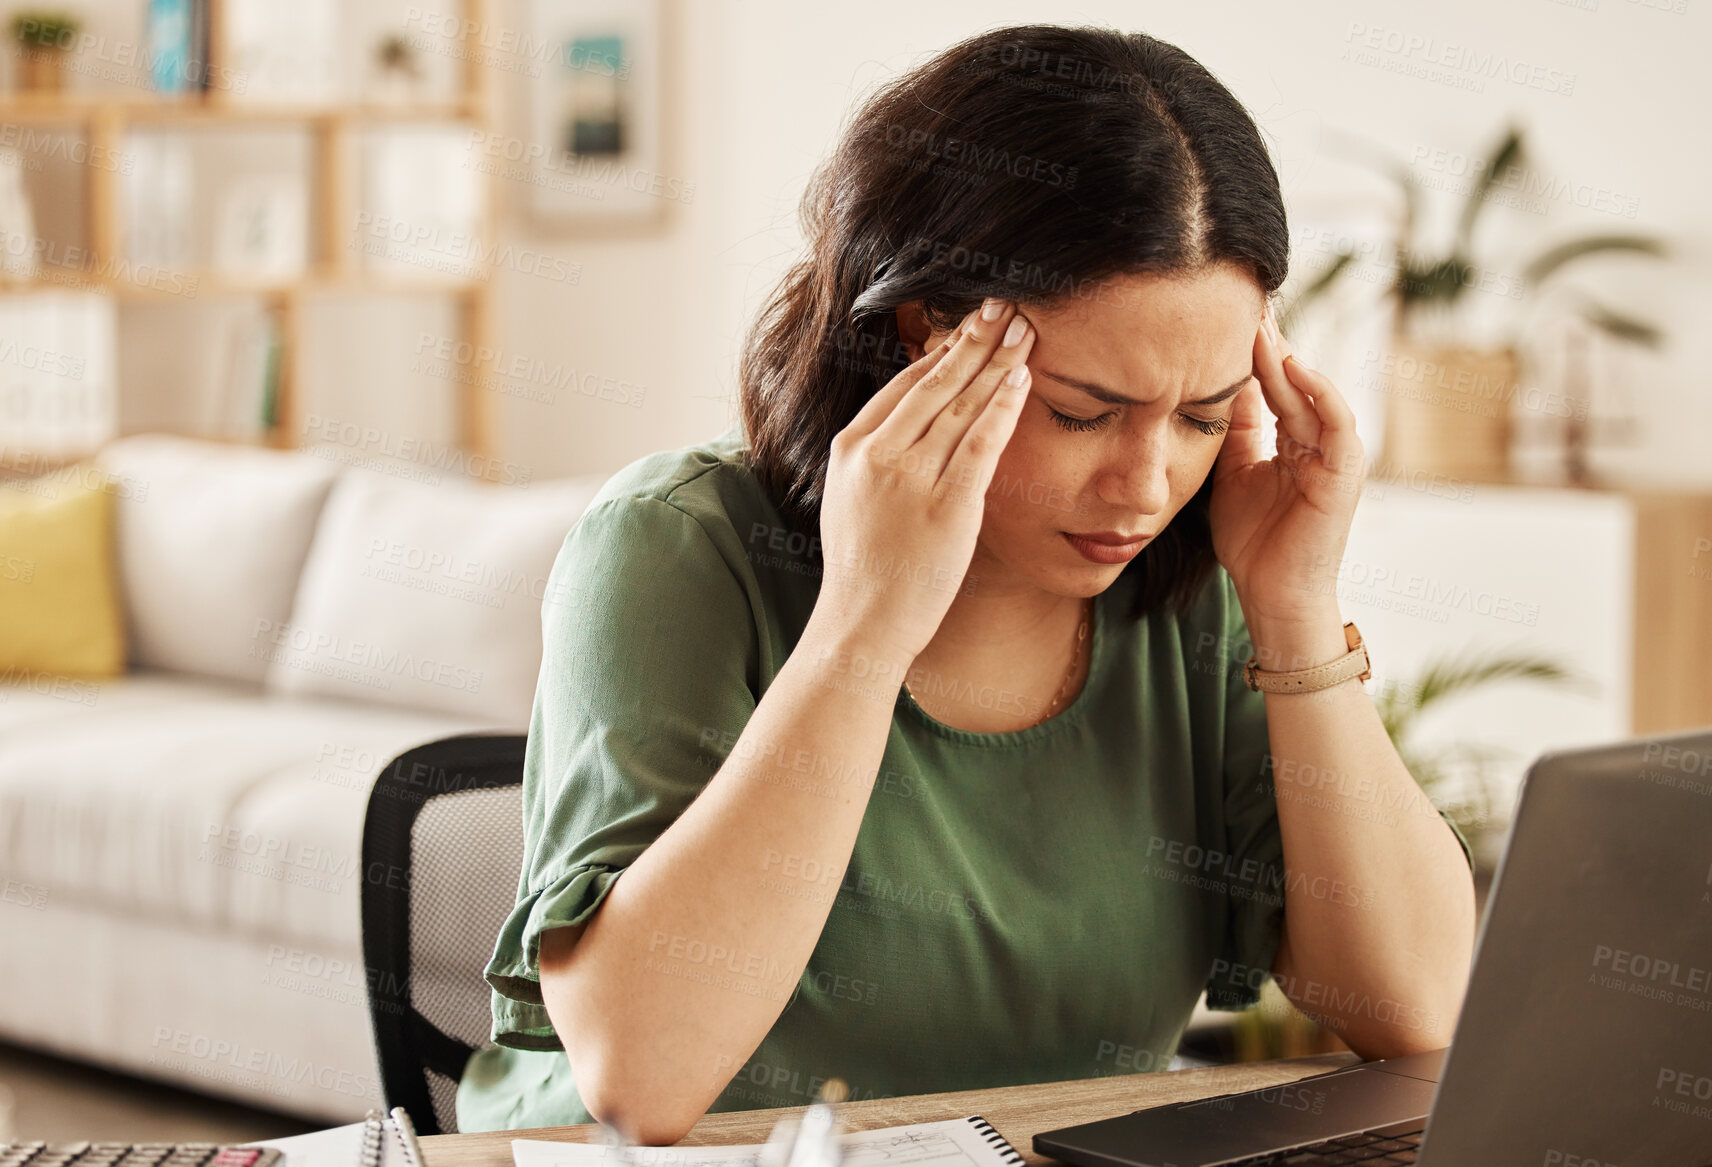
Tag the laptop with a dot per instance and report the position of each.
(1585, 1037)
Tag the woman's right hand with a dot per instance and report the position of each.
(907, 481)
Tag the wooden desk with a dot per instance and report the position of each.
(1017, 1112)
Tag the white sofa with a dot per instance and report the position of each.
(179, 848)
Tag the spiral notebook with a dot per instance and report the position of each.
(956, 1142)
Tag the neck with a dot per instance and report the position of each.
(1004, 619)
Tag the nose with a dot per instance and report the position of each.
(1137, 478)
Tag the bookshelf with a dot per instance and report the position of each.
(105, 118)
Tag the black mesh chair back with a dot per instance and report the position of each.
(442, 851)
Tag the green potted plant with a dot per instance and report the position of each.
(1447, 404)
(398, 75)
(44, 36)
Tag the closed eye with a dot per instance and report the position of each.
(1081, 424)
(1212, 428)
(1217, 426)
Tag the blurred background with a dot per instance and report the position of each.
(320, 313)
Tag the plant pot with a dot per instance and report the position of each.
(1447, 410)
(42, 70)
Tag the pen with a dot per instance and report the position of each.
(816, 1143)
(614, 1137)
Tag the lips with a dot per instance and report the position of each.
(1110, 538)
(1107, 546)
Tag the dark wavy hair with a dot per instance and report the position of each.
(1029, 162)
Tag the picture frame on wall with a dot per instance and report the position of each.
(597, 114)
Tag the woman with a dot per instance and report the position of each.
(912, 712)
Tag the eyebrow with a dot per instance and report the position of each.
(1101, 393)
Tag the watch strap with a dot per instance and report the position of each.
(1353, 663)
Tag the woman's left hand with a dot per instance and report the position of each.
(1279, 524)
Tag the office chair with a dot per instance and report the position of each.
(442, 851)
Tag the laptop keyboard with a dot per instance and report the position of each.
(1367, 1148)
(134, 1155)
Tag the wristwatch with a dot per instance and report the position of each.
(1354, 663)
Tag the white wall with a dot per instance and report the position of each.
(765, 85)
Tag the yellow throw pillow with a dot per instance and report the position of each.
(59, 590)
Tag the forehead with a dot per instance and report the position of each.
(1152, 333)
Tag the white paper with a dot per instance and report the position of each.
(953, 1143)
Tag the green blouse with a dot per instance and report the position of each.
(1032, 906)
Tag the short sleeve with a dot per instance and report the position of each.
(1254, 922)
(648, 642)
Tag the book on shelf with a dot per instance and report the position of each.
(57, 372)
(417, 178)
(18, 254)
(244, 398)
(177, 33)
(283, 52)
(159, 191)
(262, 227)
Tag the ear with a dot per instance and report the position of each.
(914, 331)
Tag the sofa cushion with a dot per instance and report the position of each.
(211, 539)
(205, 802)
(59, 591)
(427, 596)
